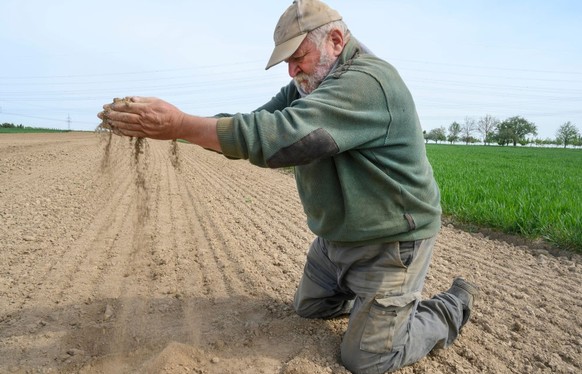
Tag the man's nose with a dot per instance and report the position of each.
(294, 69)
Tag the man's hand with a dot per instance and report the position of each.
(143, 117)
(149, 117)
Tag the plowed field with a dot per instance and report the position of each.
(116, 262)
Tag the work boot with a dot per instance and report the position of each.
(467, 293)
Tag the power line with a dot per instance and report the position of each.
(44, 118)
(133, 73)
(217, 86)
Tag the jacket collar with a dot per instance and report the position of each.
(351, 51)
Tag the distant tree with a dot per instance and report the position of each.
(502, 136)
(514, 130)
(441, 134)
(470, 140)
(454, 131)
(568, 133)
(467, 129)
(437, 135)
(486, 127)
(491, 138)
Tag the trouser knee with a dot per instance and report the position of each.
(302, 308)
(322, 308)
(359, 361)
(353, 358)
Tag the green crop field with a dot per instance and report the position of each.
(534, 192)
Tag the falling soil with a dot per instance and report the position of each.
(174, 155)
(140, 163)
(205, 284)
(105, 137)
(106, 133)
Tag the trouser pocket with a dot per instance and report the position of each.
(386, 326)
(406, 250)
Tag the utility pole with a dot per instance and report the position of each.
(69, 122)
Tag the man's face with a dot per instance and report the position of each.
(308, 66)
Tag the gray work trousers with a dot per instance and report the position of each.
(380, 286)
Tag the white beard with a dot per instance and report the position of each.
(306, 83)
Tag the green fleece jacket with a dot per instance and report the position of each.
(358, 150)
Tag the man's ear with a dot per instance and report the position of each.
(337, 39)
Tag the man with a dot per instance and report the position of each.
(348, 125)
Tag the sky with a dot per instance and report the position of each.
(61, 60)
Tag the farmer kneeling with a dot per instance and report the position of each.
(349, 126)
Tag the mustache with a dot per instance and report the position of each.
(301, 77)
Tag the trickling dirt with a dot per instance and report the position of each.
(106, 138)
(174, 154)
(203, 283)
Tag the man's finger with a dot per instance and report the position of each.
(125, 125)
(126, 105)
(135, 134)
(122, 117)
(141, 99)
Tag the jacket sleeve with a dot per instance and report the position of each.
(344, 113)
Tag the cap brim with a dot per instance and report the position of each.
(284, 50)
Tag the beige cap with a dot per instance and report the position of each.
(299, 19)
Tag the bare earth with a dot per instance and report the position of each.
(112, 262)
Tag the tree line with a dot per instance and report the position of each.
(512, 131)
(6, 125)
(10, 128)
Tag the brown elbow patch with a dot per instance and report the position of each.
(315, 145)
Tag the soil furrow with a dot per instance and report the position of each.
(242, 248)
(262, 228)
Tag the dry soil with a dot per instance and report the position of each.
(112, 262)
